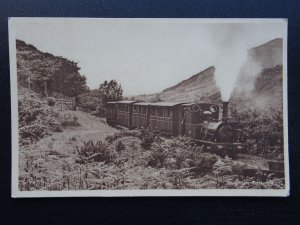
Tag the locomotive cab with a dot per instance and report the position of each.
(193, 115)
(219, 131)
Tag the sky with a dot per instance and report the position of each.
(149, 55)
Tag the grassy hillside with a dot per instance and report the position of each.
(37, 119)
(46, 74)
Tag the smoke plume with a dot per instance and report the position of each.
(232, 54)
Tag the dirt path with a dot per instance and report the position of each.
(91, 128)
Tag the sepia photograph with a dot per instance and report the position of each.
(148, 107)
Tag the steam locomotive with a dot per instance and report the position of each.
(199, 121)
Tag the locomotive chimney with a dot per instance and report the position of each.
(225, 110)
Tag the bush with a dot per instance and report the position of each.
(179, 153)
(36, 120)
(32, 133)
(158, 157)
(51, 101)
(89, 101)
(148, 136)
(262, 128)
(95, 152)
(120, 146)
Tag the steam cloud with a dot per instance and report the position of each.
(232, 55)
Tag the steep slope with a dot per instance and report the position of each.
(45, 73)
(199, 87)
(261, 76)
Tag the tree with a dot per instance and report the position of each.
(110, 91)
(48, 73)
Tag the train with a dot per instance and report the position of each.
(203, 122)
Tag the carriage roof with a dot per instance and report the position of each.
(197, 103)
(125, 102)
(165, 104)
(142, 103)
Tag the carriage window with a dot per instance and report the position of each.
(135, 110)
(123, 108)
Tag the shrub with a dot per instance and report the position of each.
(32, 133)
(158, 157)
(95, 152)
(120, 146)
(51, 101)
(148, 136)
(179, 153)
(36, 120)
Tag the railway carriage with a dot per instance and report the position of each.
(124, 113)
(164, 117)
(140, 114)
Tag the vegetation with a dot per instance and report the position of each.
(94, 152)
(89, 101)
(169, 164)
(148, 136)
(37, 119)
(94, 101)
(120, 146)
(110, 91)
(45, 73)
(262, 128)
